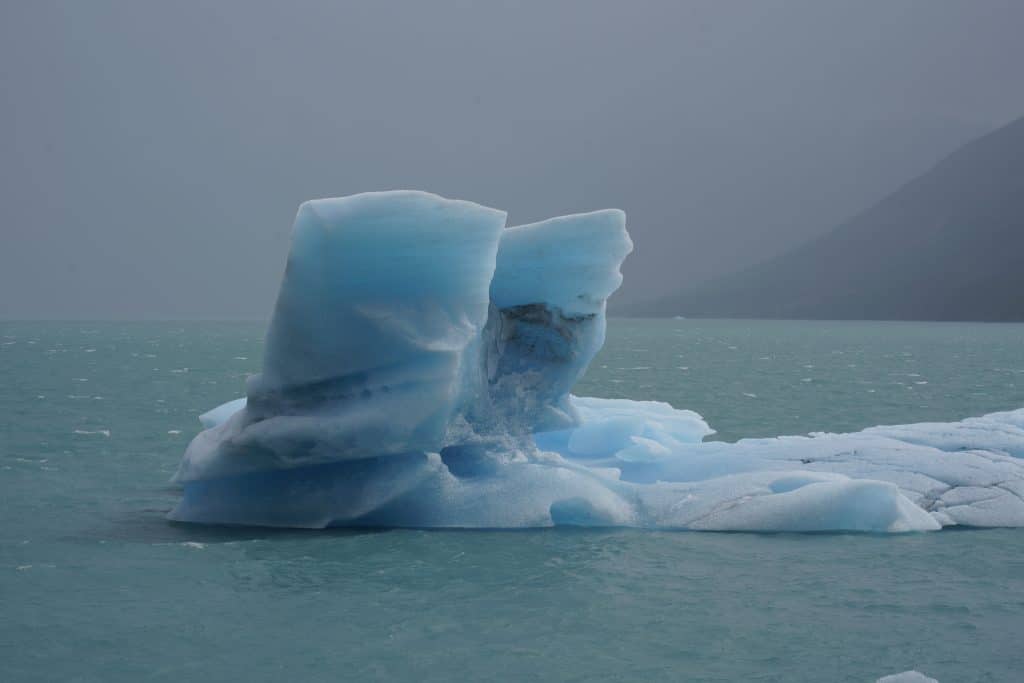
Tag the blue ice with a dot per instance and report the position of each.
(418, 372)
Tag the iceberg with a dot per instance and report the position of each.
(418, 373)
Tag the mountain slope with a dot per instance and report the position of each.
(949, 245)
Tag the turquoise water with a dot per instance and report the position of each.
(95, 585)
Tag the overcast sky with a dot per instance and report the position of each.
(152, 154)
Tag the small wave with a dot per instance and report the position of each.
(104, 432)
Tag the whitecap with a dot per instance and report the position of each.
(104, 432)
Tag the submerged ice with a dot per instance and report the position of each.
(418, 371)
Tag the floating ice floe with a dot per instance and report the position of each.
(418, 370)
(907, 677)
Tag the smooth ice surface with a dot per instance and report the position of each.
(372, 347)
(570, 262)
(418, 370)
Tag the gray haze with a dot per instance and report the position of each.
(152, 155)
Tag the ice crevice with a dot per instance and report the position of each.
(418, 372)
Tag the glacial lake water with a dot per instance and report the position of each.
(96, 586)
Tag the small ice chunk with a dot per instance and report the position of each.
(221, 413)
(907, 677)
